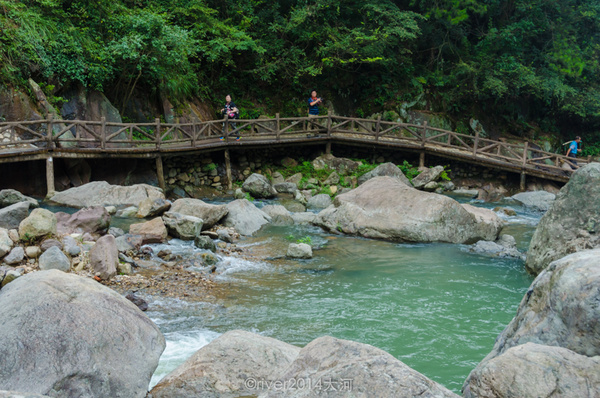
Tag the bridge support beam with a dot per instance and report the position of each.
(328, 148)
(422, 160)
(523, 182)
(160, 174)
(228, 169)
(50, 177)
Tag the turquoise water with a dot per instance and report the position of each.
(436, 307)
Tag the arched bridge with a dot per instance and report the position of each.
(30, 140)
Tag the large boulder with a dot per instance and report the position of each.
(538, 200)
(426, 176)
(210, 214)
(11, 216)
(64, 335)
(244, 217)
(94, 220)
(259, 186)
(342, 166)
(153, 231)
(9, 197)
(151, 207)
(320, 201)
(355, 370)
(560, 309)
(6, 243)
(532, 370)
(101, 193)
(182, 226)
(386, 169)
(279, 215)
(223, 367)
(299, 250)
(54, 258)
(17, 394)
(571, 224)
(104, 257)
(39, 223)
(385, 208)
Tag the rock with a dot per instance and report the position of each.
(244, 217)
(39, 223)
(13, 234)
(559, 309)
(295, 179)
(11, 275)
(129, 242)
(538, 200)
(33, 251)
(532, 370)
(101, 193)
(16, 255)
(299, 250)
(506, 211)
(224, 235)
(385, 208)
(104, 257)
(139, 302)
(571, 224)
(48, 243)
(54, 258)
(239, 194)
(116, 232)
(111, 210)
(11, 216)
(94, 220)
(205, 243)
(16, 394)
(496, 250)
(448, 186)
(320, 201)
(427, 176)
(286, 187)
(128, 212)
(473, 193)
(288, 162)
(124, 269)
(342, 165)
(277, 178)
(357, 370)
(279, 215)
(386, 169)
(112, 351)
(258, 186)
(303, 218)
(292, 205)
(334, 178)
(152, 207)
(431, 186)
(222, 367)
(492, 192)
(6, 243)
(182, 226)
(210, 214)
(153, 231)
(9, 197)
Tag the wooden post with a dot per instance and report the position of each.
(476, 143)
(377, 127)
(422, 160)
(50, 177)
(160, 174)
(157, 133)
(277, 126)
(328, 148)
(523, 164)
(424, 135)
(226, 128)
(50, 134)
(103, 133)
(228, 169)
(523, 181)
(329, 123)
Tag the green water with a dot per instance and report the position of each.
(436, 307)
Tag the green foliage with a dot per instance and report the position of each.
(249, 197)
(209, 167)
(409, 170)
(304, 239)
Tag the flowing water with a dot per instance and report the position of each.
(436, 307)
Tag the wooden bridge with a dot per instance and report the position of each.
(31, 140)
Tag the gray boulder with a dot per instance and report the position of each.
(279, 215)
(571, 224)
(210, 214)
(357, 370)
(16, 255)
(472, 193)
(385, 208)
(70, 245)
(532, 370)
(11, 216)
(182, 226)
(104, 257)
(54, 258)
(94, 220)
(320, 201)
(560, 309)
(385, 169)
(153, 231)
(101, 193)
(9, 197)
(295, 179)
(112, 351)
(286, 187)
(6, 243)
(342, 166)
(223, 367)
(244, 217)
(538, 200)
(39, 223)
(505, 246)
(129, 242)
(427, 176)
(306, 217)
(16, 394)
(333, 179)
(205, 242)
(259, 186)
(299, 250)
(151, 207)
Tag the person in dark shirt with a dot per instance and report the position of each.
(232, 112)
(313, 107)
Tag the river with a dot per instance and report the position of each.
(436, 307)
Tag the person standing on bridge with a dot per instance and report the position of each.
(232, 112)
(573, 149)
(313, 107)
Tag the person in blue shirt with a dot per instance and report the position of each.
(574, 148)
(313, 107)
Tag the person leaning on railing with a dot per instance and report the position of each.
(232, 112)
(573, 149)
(313, 107)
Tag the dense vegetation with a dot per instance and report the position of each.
(523, 65)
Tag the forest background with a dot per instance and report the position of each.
(522, 68)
